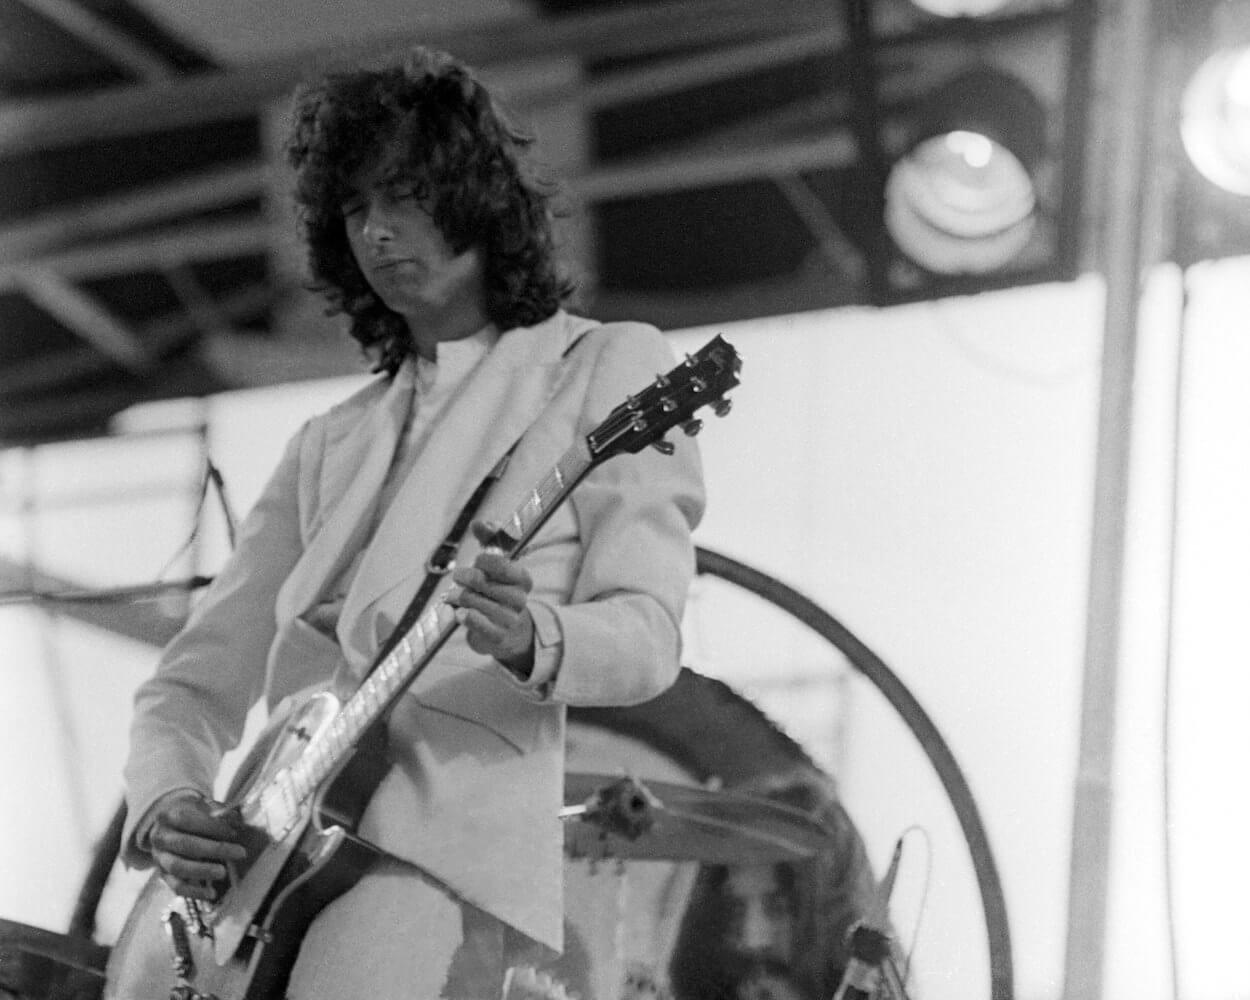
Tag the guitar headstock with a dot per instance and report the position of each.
(671, 400)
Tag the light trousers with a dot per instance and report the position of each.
(397, 935)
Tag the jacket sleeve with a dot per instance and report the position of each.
(620, 633)
(195, 706)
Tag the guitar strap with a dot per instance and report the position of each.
(441, 561)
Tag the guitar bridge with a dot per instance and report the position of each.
(185, 991)
(201, 917)
(176, 929)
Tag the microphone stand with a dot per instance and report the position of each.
(871, 963)
(871, 966)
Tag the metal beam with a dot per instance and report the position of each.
(682, 72)
(98, 34)
(201, 308)
(710, 161)
(135, 615)
(86, 316)
(105, 216)
(677, 171)
(163, 335)
(151, 252)
(1133, 205)
(32, 126)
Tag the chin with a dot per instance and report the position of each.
(769, 986)
(768, 979)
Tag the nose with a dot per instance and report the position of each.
(377, 227)
(755, 930)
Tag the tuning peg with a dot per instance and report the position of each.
(692, 427)
(664, 447)
(722, 406)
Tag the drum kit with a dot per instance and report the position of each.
(658, 821)
(609, 822)
(633, 851)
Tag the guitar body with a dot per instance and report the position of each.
(243, 947)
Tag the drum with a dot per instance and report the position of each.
(627, 892)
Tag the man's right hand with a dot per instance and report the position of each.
(191, 845)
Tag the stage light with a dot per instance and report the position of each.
(963, 8)
(960, 199)
(1215, 120)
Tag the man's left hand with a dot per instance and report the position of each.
(492, 603)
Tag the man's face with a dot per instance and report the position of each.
(761, 912)
(405, 257)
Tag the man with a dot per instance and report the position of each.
(426, 227)
(759, 931)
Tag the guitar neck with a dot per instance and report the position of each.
(277, 805)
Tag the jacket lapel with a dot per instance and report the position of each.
(499, 400)
(354, 466)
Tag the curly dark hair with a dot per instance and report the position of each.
(434, 129)
(831, 891)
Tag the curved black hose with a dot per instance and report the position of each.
(917, 720)
(103, 854)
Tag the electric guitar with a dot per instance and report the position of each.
(302, 789)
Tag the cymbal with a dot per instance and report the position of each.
(608, 816)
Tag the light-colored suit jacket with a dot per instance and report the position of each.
(474, 795)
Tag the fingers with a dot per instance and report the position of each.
(496, 568)
(492, 602)
(195, 815)
(484, 532)
(494, 585)
(193, 848)
(190, 878)
(497, 599)
(502, 642)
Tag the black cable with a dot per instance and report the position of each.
(197, 517)
(925, 885)
(82, 923)
(219, 484)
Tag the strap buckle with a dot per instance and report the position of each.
(443, 560)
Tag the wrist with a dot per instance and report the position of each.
(520, 666)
